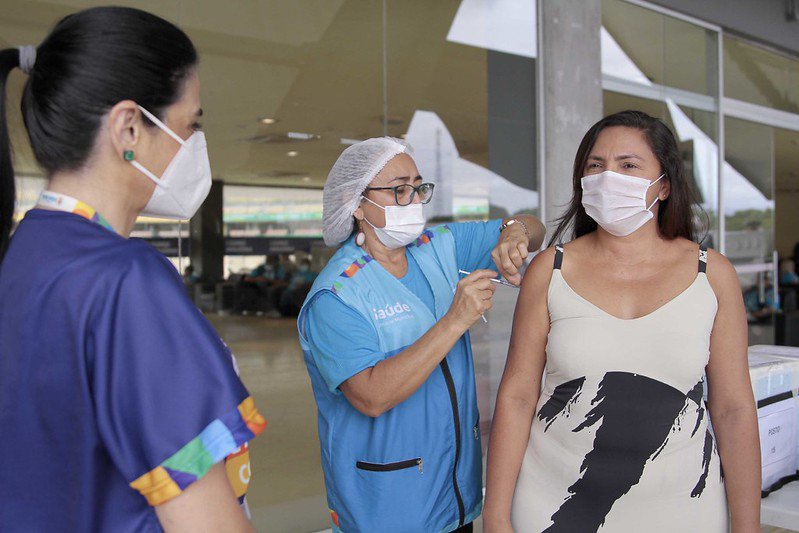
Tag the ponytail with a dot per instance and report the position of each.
(9, 59)
(89, 62)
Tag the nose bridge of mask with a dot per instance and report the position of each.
(617, 183)
(613, 183)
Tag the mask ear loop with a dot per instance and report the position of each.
(158, 181)
(373, 203)
(364, 215)
(658, 195)
(161, 125)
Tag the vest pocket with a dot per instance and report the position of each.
(391, 467)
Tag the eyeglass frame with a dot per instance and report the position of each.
(414, 192)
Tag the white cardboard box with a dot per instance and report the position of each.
(775, 379)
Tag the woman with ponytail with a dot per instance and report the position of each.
(118, 402)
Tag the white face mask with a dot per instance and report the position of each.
(404, 224)
(185, 183)
(617, 202)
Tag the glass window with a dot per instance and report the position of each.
(760, 76)
(28, 191)
(289, 212)
(786, 175)
(669, 51)
(748, 182)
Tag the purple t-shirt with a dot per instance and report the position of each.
(115, 392)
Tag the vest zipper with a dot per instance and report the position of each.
(453, 399)
(390, 467)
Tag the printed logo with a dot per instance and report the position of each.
(392, 311)
(237, 466)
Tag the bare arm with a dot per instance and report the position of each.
(730, 400)
(377, 389)
(207, 505)
(518, 393)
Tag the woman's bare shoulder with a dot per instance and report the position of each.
(539, 273)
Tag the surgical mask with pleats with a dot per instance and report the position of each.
(185, 183)
(617, 202)
(404, 224)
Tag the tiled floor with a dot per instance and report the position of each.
(287, 490)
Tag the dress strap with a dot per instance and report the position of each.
(703, 259)
(558, 256)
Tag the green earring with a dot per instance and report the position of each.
(128, 155)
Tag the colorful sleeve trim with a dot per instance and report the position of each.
(334, 520)
(219, 439)
(361, 262)
(350, 271)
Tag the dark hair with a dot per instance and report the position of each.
(89, 62)
(675, 217)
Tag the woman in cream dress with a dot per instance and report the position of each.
(627, 322)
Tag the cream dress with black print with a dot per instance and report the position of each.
(620, 441)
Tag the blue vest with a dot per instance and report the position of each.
(417, 467)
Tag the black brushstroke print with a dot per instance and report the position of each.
(562, 396)
(707, 453)
(696, 394)
(637, 416)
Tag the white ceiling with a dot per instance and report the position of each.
(317, 67)
(314, 65)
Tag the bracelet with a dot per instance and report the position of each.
(513, 221)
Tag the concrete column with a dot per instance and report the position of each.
(207, 241)
(511, 120)
(571, 88)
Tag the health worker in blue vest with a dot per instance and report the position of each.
(120, 406)
(384, 332)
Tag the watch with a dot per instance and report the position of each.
(512, 222)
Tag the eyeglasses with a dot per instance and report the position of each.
(405, 193)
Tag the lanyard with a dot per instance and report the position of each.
(62, 202)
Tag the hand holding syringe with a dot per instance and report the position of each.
(493, 280)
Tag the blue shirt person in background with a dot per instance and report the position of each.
(384, 332)
(118, 402)
(788, 275)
